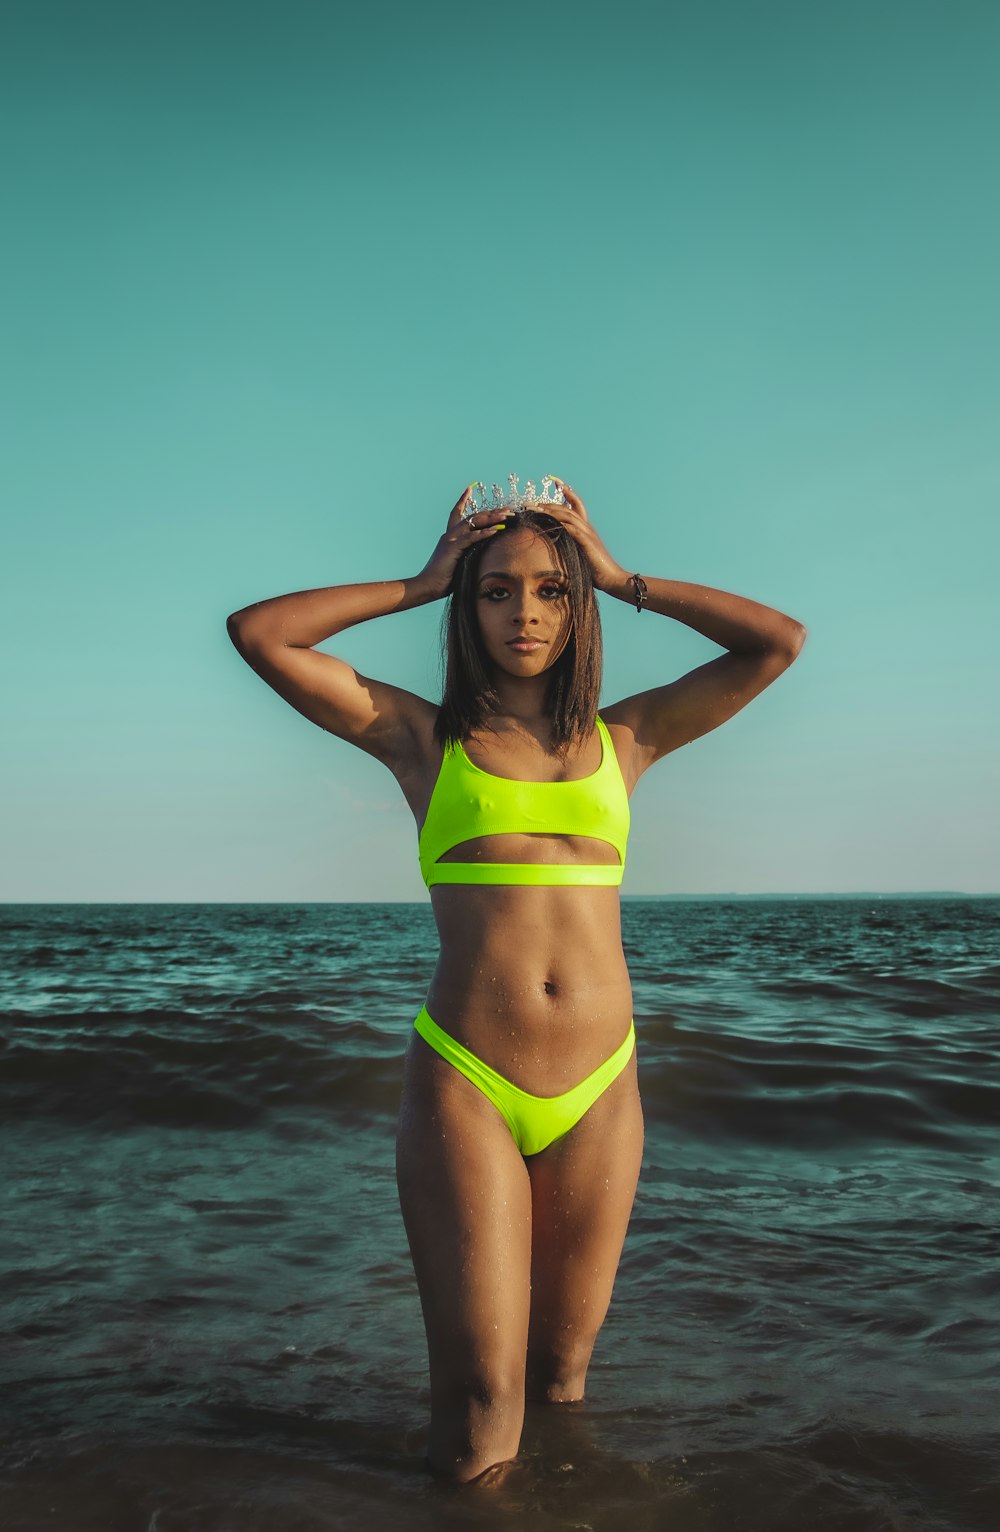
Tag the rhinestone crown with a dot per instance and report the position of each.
(513, 499)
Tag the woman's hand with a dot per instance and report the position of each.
(461, 533)
(607, 574)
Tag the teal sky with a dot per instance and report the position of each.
(279, 281)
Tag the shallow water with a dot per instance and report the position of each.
(209, 1316)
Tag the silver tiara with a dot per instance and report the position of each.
(513, 499)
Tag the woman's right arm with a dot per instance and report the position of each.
(276, 638)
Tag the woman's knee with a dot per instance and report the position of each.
(476, 1422)
(557, 1373)
(485, 1392)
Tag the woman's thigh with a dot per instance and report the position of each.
(466, 1203)
(583, 1187)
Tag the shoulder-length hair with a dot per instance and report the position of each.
(470, 700)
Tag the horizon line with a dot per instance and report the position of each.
(929, 893)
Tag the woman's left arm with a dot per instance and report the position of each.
(760, 644)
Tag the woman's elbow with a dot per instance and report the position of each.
(236, 628)
(797, 635)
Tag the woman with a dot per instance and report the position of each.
(520, 1131)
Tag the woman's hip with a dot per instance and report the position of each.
(534, 1118)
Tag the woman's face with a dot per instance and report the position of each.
(522, 601)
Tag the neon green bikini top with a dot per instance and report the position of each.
(468, 802)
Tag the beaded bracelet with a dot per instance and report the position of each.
(639, 590)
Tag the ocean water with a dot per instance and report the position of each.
(209, 1321)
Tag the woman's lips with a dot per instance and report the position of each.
(524, 645)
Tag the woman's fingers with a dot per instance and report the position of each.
(485, 521)
(460, 504)
(468, 528)
(573, 517)
(461, 534)
(570, 496)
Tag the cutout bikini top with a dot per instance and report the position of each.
(468, 802)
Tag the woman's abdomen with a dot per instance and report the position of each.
(532, 979)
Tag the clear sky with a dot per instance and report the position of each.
(281, 278)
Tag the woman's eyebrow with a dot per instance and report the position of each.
(541, 574)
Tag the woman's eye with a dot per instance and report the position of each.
(501, 593)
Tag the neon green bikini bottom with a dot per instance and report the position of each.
(535, 1122)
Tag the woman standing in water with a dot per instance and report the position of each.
(520, 1131)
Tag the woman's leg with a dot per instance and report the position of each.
(466, 1203)
(582, 1189)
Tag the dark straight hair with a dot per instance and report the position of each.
(470, 699)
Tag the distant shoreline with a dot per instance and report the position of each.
(944, 893)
